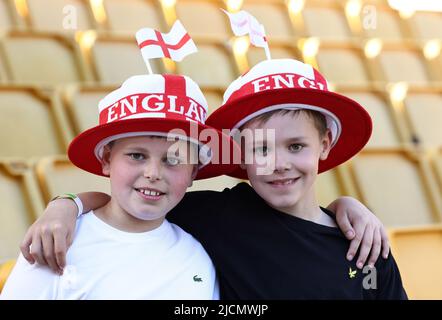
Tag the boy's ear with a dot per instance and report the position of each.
(325, 145)
(194, 173)
(105, 161)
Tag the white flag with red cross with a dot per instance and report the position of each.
(174, 45)
(243, 23)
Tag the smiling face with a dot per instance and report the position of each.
(289, 161)
(147, 180)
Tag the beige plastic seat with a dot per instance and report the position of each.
(388, 26)
(21, 203)
(437, 163)
(82, 106)
(395, 188)
(214, 184)
(424, 112)
(214, 99)
(385, 134)
(30, 125)
(403, 65)
(117, 58)
(42, 59)
(326, 23)
(60, 16)
(256, 55)
(211, 66)
(274, 16)
(5, 271)
(418, 253)
(426, 25)
(128, 16)
(342, 66)
(204, 18)
(328, 187)
(57, 175)
(6, 21)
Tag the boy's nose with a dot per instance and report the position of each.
(152, 171)
(282, 163)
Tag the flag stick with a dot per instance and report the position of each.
(148, 66)
(267, 52)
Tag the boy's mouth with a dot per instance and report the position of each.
(283, 182)
(148, 192)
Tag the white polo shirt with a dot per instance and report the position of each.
(107, 263)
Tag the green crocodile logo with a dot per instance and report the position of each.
(197, 279)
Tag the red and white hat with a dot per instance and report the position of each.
(291, 84)
(155, 105)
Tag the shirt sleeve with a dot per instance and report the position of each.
(30, 282)
(389, 281)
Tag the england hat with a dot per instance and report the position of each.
(290, 84)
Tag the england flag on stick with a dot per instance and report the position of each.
(243, 23)
(174, 45)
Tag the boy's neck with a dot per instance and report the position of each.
(117, 217)
(308, 208)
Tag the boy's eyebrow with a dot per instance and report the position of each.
(137, 148)
(291, 139)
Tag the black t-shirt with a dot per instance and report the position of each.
(262, 253)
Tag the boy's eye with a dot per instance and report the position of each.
(136, 156)
(262, 151)
(295, 147)
(172, 161)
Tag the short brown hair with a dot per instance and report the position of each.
(318, 118)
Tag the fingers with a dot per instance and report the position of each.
(385, 243)
(47, 241)
(60, 245)
(37, 250)
(25, 247)
(376, 249)
(359, 226)
(345, 225)
(366, 245)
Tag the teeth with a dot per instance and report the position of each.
(149, 192)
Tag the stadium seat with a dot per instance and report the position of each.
(57, 175)
(31, 125)
(326, 23)
(275, 18)
(214, 184)
(21, 203)
(128, 16)
(5, 270)
(424, 113)
(211, 66)
(418, 253)
(204, 19)
(403, 64)
(81, 104)
(426, 25)
(42, 59)
(388, 26)
(437, 164)
(342, 66)
(117, 58)
(6, 22)
(256, 55)
(60, 16)
(396, 188)
(385, 134)
(214, 99)
(328, 187)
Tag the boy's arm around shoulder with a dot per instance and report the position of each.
(52, 233)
